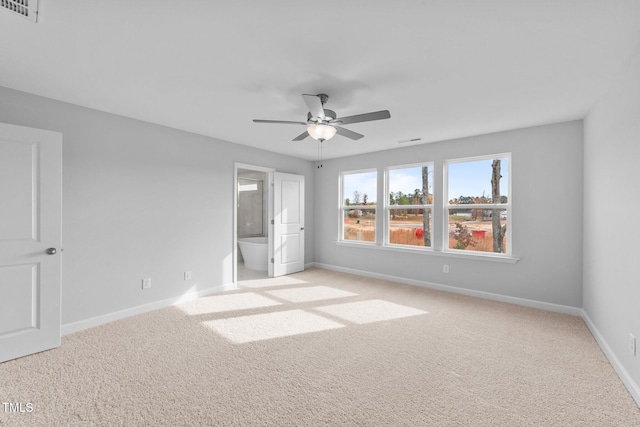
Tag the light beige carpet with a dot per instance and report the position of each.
(324, 348)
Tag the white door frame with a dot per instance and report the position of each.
(269, 172)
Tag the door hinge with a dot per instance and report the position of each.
(272, 261)
(272, 222)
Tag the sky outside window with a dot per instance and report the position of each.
(474, 178)
(465, 179)
(364, 183)
(408, 180)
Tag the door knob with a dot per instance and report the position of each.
(51, 251)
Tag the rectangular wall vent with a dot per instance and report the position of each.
(25, 8)
(414, 140)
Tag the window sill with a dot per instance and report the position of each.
(431, 252)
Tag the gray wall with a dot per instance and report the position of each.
(611, 211)
(142, 200)
(546, 223)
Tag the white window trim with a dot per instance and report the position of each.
(341, 208)
(502, 206)
(388, 208)
(479, 256)
(442, 208)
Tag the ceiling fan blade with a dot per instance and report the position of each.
(279, 121)
(367, 117)
(348, 133)
(314, 104)
(302, 136)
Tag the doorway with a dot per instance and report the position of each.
(268, 215)
(252, 222)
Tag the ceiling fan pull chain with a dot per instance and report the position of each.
(319, 154)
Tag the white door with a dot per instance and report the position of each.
(30, 236)
(288, 225)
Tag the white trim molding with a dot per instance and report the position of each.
(70, 328)
(627, 380)
(558, 308)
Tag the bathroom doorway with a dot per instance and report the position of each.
(252, 218)
(268, 215)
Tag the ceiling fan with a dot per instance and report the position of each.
(322, 124)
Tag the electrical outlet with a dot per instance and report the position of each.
(445, 268)
(632, 344)
(187, 275)
(146, 283)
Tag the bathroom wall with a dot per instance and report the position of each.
(252, 203)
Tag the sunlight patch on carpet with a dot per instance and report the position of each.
(267, 326)
(362, 312)
(267, 283)
(224, 303)
(312, 293)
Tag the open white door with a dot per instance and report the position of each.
(30, 237)
(288, 225)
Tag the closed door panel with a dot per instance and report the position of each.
(30, 238)
(20, 285)
(290, 250)
(288, 230)
(19, 190)
(290, 202)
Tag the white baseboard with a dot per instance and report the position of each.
(629, 383)
(627, 380)
(558, 308)
(133, 311)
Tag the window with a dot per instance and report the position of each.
(409, 205)
(358, 206)
(478, 204)
(466, 214)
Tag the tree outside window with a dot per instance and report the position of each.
(410, 206)
(478, 204)
(358, 206)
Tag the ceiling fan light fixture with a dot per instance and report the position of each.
(323, 124)
(321, 132)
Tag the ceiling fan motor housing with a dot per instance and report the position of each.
(323, 98)
(329, 115)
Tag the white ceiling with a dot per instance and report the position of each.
(445, 69)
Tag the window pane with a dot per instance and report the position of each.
(478, 234)
(410, 186)
(360, 225)
(471, 182)
(359, 188)
(408, 227)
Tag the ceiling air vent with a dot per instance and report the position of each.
(414, 140)
(25, 8)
